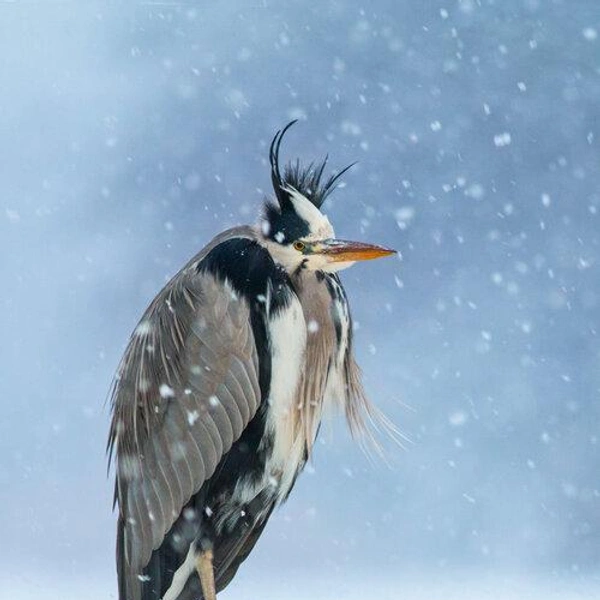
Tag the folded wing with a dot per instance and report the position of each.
(186, 388)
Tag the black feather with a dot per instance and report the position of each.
(284, 225)
(278, 185)
(306, 180)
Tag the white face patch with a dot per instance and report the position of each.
(284, 255)
(318, 224)
(319, 227)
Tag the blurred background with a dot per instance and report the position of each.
(132, 132)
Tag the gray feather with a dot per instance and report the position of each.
(193, 345)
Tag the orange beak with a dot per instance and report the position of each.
(344, 251)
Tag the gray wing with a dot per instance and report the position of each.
(186, 389)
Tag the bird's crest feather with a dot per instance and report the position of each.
(305, 180)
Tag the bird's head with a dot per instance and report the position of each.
(296, 232)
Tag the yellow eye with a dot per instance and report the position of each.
(299, 246)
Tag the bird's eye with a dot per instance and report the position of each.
(299, 246)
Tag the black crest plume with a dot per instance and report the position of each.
(306, 180)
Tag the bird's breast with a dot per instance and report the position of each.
(287, 337)
(307, 343)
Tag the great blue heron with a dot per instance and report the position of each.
(218, 398)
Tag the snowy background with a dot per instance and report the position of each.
(132, 132)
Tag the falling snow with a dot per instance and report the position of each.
(192, 417)
(312, 326)
(143, 329)
(590, 34)
(475, 129)
(166, 391)
(502, 139)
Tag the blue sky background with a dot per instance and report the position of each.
(132, 132)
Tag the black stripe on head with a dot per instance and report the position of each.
(284, 226)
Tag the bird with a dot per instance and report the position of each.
(218, 399)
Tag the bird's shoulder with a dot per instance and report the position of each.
(236, 258)
(249, 268)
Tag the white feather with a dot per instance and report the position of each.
(288, 346)
(182, 574)
(318, 224)
(287, 335)
(335, 391)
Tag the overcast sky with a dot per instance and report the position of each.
(132, 132)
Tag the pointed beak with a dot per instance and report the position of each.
(344, 251)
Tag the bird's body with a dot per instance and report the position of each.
(219, 395)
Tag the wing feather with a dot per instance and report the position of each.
(176, 436)
(213, 431)
(162, 478)
(187, 448)
(233, 410)
(194, 344)
(208, 450)
(138, 522)
(155, 508)
(162, 446)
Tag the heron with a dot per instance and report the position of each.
(218, 398)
